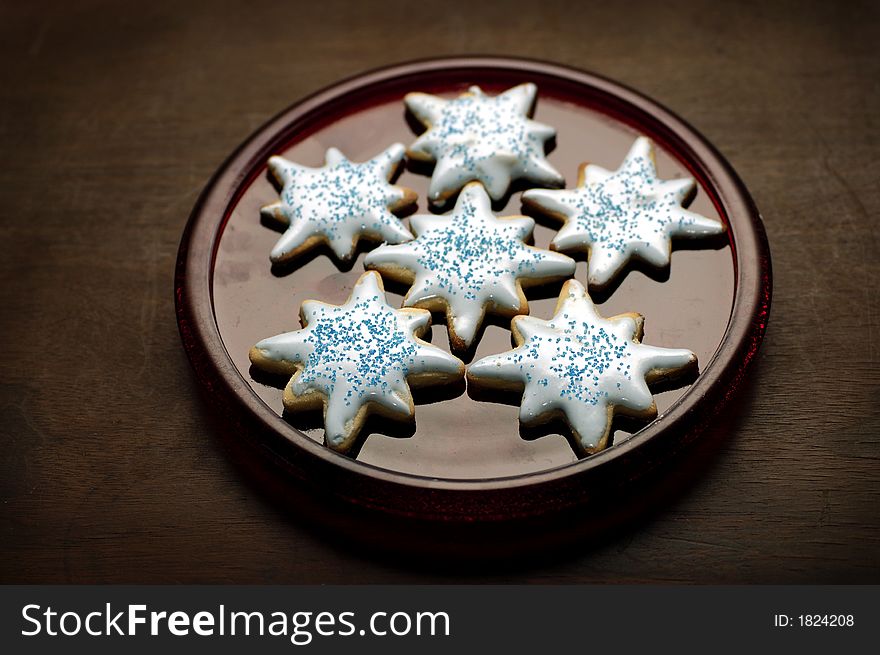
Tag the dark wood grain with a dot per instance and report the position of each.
(111, 121)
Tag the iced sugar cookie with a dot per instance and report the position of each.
(355, 359)
(581, 367)
(338, 204)
(488, 139)
(616, 216)
(469, 262)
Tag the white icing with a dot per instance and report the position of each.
(580, 364)
(489, 139)
(472, 260)
(340, 202)
(622, 214)
(358, 353)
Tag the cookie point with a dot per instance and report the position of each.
(372, 274)
(276, 256)
(372, 280)
(573, 287)
(596, 280)
(336, 441)
(531, 88)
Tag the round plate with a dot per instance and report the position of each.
(465, 459)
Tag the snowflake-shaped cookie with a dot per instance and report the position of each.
(580, 366)
(475, 137)
(469, 262)
(619, 215)
(354, 359)
(338, 203)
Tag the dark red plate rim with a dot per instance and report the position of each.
(528, 495)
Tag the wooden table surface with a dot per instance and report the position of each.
(113, 118)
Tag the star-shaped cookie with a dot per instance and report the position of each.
(580, 366)
(338, 204)
(619, 215)
(469, 262)
(355, 359)
(476, 137)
